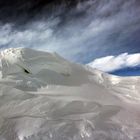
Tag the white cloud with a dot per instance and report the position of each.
(112, 63)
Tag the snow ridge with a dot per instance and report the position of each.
(43, 96)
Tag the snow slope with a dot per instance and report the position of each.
(45, 97)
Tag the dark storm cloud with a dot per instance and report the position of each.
(27, 10)
(80, 30)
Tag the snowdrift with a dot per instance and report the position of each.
(45, 97)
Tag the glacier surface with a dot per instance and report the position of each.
(45, 97)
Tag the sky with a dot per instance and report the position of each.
(104, 33)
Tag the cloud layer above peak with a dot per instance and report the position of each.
(113, 63)
(86, 31)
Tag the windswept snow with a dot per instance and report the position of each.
(45, 97)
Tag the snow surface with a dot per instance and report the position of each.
(45, 97)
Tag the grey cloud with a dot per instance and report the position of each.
(90, 29)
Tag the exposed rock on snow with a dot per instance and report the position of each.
(43, 96)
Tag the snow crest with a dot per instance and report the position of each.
(45, 97)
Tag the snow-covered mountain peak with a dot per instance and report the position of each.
(43, 96)
(20, 60)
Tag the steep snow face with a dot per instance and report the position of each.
(43, 96)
